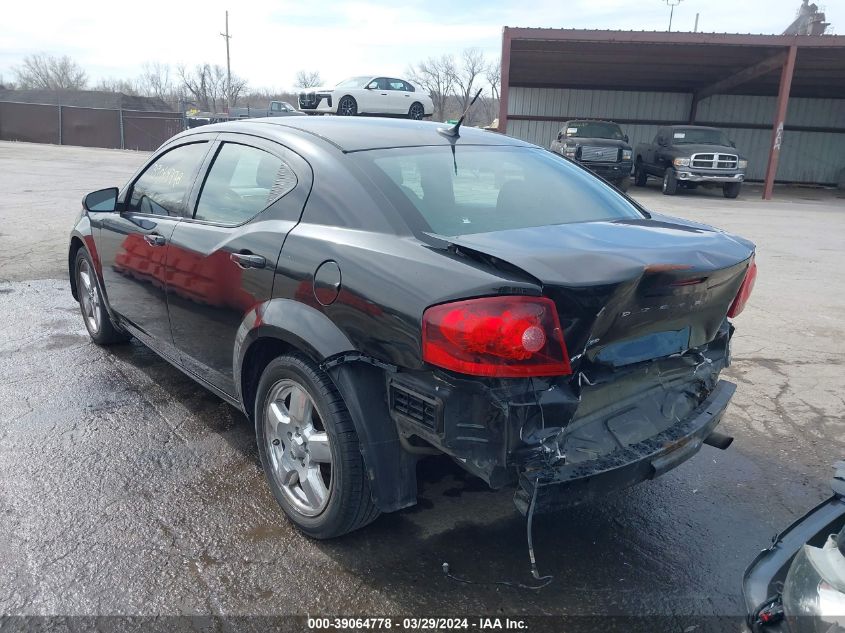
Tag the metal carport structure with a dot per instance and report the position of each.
(782, 97)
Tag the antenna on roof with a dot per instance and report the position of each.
(454, 131)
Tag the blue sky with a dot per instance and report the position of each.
(273, 39)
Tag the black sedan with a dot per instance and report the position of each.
(371, 291)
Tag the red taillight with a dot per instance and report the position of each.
(744, 290)
(505, 337)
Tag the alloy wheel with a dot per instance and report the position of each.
(416, 112)
(298, 447)
(89, 296)
(347, 107)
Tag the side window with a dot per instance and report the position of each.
(409, 87)
(242, 182)
(396, 84)
(275, 106)
(163, 187)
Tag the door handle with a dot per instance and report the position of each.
(154, 239)
(248, 260)
(383, 94)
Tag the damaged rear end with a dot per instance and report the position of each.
(608, 376)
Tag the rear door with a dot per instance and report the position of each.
(223, 257)
(133, 244)
(400, 97)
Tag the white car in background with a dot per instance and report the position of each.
(368, 95)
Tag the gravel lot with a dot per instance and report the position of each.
(129, 490)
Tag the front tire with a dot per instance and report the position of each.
(347, 106)
(416, 112)
(622, 184)
(309, 449)
(731, 189)
(92, 302)
(670, 182)
(640, 176)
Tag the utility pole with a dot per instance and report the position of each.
(672, 4)
(229, 68)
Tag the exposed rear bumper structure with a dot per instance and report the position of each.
(564, 484)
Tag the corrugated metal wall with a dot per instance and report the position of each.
(809, 157)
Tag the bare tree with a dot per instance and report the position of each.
(4, 83)
(308, 79)
(48, 72)
(493, 74)
(466, 74)
(154, 81)
(436, 75)
(207, 85)
(126, 86)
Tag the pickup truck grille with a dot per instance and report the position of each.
(713, 161)
(590, 154)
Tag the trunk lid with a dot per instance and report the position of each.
(627, 290)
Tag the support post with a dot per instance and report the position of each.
(122, 135)
(60, 124)
(228, 69)
(504, 80)
(780, 120)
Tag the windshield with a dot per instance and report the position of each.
(354, 82)
(687, 135)
(593, 129)
(490, 188)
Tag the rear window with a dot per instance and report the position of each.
(483, 188)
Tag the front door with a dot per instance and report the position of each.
(133, 244)
(377, 97)
(222, 259)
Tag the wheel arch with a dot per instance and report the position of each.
(357, 103)
(75, 244)
(81, 237)
(282, 326)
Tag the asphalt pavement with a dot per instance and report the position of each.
(127, 489)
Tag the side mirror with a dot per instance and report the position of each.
(371, 86)
(733, 144)
(625, 138)
(661, 141)
(559, 135)
(101, 200)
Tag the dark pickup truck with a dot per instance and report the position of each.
(689, 156)
(274, 108)
(600, 146)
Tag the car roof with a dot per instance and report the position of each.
(354, 134)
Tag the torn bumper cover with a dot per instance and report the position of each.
(564, 484)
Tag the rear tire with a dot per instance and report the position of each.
(347, 106)
(416, 112)
(731, 189)
(310, 451)
(92, 303)
(640, 177)
(670, 182)
(622, 184)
